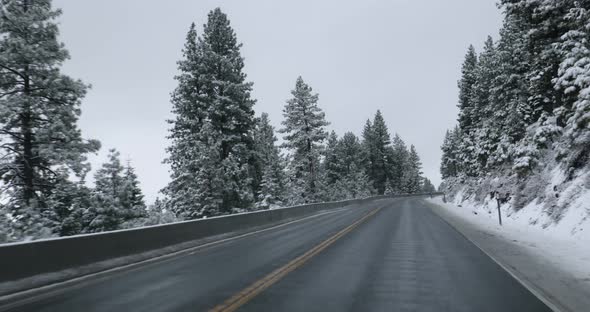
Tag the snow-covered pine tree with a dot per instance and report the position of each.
(272, 186)
(132, 198)
(468, 79)
(230, 108)
(509, 92)
(413, 173)
(449, 166)
(349, 154)
(544, 27)
(117, 196)
(304, 129)
(369, 153)
(573, 80)
(398, 163)
(380, 143)
(485, 138)
(72, 200)
(212, 144)
(107, 212)
(331, 163)
(39, 109)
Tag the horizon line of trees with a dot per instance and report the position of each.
(524, 101)
(223, 159)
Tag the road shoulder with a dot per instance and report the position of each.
(561, 289)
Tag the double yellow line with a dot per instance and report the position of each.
(256, 288)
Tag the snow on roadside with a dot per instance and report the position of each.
(563, 244)
(573, 202)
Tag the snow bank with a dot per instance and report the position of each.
(547, 203)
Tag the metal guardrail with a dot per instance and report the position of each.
(23, 260)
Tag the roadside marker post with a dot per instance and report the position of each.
(498, 206)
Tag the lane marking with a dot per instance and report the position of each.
(550, 301)
(32, 295)
(242, 297)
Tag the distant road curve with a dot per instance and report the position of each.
(387, 255)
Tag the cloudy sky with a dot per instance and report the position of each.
(400, 56)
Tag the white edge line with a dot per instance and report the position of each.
(29, 294)
(530, 286)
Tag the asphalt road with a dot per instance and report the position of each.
(390, 255)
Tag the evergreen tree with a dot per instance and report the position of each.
(450, 163)
(211, 156)
(380, 143)
(369, 152)
(398, 164)
(304, 129)
(117, 196)
(485, 138)
(39, 109)
(272, 187)
(508, 93)
(573, 80)
(353, 181)
(132, 196)
(107, 212)
(413, 174)
(468, 79)
(332, 169)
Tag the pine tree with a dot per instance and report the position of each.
(413, 174)
(450, 163)
(369, 152)
(354, 182)
(117, 197)
(544, 27)
(380, 144)
(72, 200)
(485, 138)
(398, 164)
(331, 163)
(107, 213)
(468, 79)
(212, 152)
(509, 92)
(304, 129)
(272, 187)
(39, 109)
(573, 79)
(132, 198)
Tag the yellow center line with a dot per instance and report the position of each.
(256, 288)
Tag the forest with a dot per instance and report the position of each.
(524, 110)
(223, 158)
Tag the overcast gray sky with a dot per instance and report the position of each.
(400, 56)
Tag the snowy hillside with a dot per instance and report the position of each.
(545, 201)
(523, 126)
